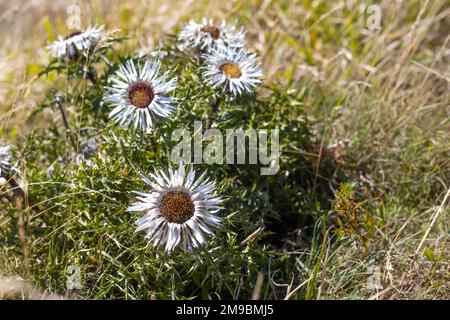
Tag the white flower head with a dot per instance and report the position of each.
(140, 94)
(181, 210)
(76, 42)
(6, 167)
(233, 69)
(207, 34)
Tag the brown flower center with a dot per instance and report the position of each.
(73, 34)
(140, 94)
(213, 31)
(177, 206)
(231, 70)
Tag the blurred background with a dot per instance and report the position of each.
(343, 45)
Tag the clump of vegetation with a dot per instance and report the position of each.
(82, 175)
(351, 217)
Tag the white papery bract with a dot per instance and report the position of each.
(6, 166)
(139, 94)
(235, 70)
(180, 210)
(207, 34)
(76, 42)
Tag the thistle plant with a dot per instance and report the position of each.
(133, 219)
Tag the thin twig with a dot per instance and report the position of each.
(66, 123)
(380, 295)
(258, 285)
(291, 293)
(438, 211)
(22, 236)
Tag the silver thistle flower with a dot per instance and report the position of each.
(76, 42)
(207, 34)
(181, 210)
(235, 70)
(139, 94)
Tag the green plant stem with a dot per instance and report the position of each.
(214, 109)
(66, 124)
